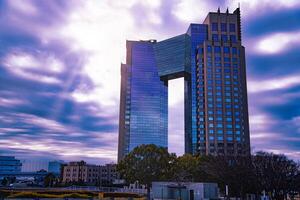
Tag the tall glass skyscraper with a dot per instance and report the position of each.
(211, 58)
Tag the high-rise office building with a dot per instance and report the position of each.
(211, 58)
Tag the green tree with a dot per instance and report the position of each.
(146, 163)
(4, 181)
(235, 172)
(185, 168)
(276, 174)
(49, 180)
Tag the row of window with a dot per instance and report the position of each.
(217, 76)
(226, 82)
(220, 112)
(215, 27)
(224, 38)
(217, 49)
(227, 105)
(219, 131)
(229, 119)
(225, 59)
(220, 138)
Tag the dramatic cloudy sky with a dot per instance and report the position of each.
(60, 72)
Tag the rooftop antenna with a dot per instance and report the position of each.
(219, 9)
(227, 12)
(239, 5)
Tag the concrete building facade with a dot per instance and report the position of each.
(81, 172)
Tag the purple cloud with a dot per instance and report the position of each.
(60, 72)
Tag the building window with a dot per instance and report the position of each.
(227, 65)
(226, 59)
(217, 59)
(215, 37)
(219, 118)
(219, 126)
(224, 38)
(226, 49)
(233, 38)
(209, 48)
(219, 88)
(218, 64)
(229, 119)
(228, 105)
(214, 26)
(234, 50)
(232, 27)
(229, 126)
(217, 49)
(223, 27)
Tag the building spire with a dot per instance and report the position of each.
(227, 12)
(219, 9)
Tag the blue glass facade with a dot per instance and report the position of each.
(9, 164)
(198, 34)
(172, 57)
(144, 100)
(211, 59)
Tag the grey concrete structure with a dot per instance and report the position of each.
(184, 190)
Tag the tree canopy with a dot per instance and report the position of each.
(275, 174)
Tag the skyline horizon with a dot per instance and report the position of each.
(60, 77)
